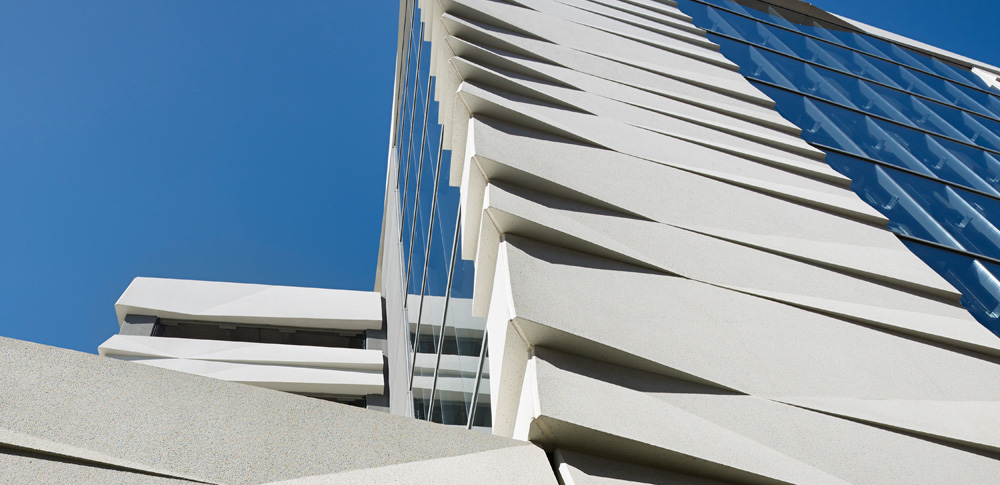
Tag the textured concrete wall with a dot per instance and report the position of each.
(69, 417)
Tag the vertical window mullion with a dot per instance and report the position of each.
(479, 380)
(401, 96)
(409, 143)
(444, 314)
(430, 236)
(416, 195)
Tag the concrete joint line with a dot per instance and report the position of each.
(14, 440)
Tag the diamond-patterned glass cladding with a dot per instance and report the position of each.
(918, 136)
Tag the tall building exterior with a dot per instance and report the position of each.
(741, 241)
(635, 241)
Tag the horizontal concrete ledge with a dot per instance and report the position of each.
(241, 352)
(251, 304)
(292, 368)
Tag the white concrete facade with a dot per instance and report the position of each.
(677, 288)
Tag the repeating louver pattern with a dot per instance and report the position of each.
(676, 285)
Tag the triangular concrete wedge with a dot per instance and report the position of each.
(241, 352)
(620, 313)
(557, 75)
(632, 416)
(517, 155)
(580, 412)
(52, 451)
(485, 35)
(783, 151)
(516, 109)
(687, 41)
(598, 42)
(722, 263)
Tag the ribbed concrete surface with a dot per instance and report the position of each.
(629, 197)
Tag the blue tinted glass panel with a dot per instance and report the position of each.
(445, 339)
(439, 254)
(458, 367)
(975, 279)
(865, 136)
(876, 187)
(950, 208)
(924, 208)
(863, 43)
(408, 109)
(406, 96)
(919, 137)
(465, 272)
(421, 226)
(411, 158)
(954, 72)
(861, 57)
(481, 416)
(427, 174)
(867, 96)
(841, 36)
(417, 149)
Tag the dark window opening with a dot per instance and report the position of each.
(453, 412)
(258, 333)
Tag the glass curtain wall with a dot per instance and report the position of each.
(918, 136)
(446, 341)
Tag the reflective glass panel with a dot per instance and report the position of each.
(919, 137)
(975, 279)
(445, 340)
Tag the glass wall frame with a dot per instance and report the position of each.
(445, 341)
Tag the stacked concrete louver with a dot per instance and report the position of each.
(675, 284)
(215, 329)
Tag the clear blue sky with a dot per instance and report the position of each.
(230, 140)
(222, 140)
(966, 27)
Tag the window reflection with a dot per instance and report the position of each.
(445, 339)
